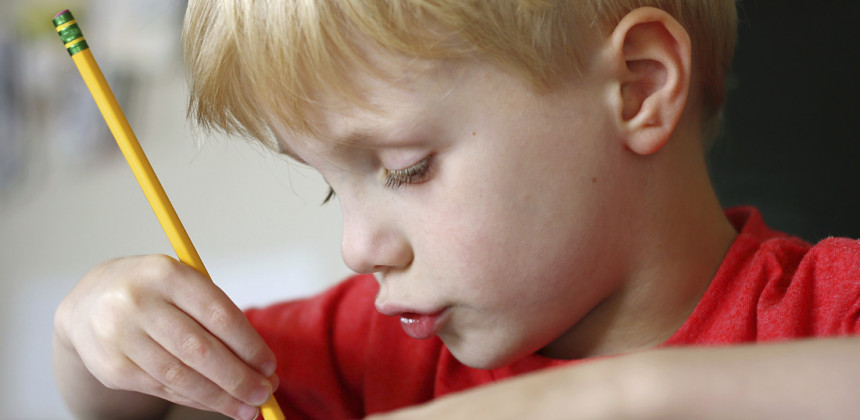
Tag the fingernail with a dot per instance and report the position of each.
(247, 412)
(260, 396)
(269, 368)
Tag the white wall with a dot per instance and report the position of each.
(255, 218)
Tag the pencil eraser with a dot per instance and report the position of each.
(61, 13)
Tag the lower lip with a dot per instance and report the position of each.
(421, 326)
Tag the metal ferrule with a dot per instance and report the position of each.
(70, 33)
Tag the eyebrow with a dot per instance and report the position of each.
(356, 138)
(381, 135)
(361, 137)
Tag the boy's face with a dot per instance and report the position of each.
(486, 210)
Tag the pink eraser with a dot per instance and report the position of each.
(61, 13)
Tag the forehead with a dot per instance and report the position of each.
(393, 97)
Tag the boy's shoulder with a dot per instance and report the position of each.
(835, 257)
(772, 286)
(763, 250)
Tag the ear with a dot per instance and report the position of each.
(651, 58)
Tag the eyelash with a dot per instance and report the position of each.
(395, 178)
(414, 174)
(329, 196)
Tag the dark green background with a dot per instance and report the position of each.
(791, 138)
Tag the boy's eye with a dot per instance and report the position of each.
(414, 174)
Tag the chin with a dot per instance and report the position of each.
(482, 357)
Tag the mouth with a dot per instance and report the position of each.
(420, 325)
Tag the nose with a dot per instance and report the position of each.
(372, 241)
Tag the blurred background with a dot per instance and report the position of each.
(791, 146)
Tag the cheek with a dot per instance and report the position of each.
(512, 243)
(485, 253)
(458, 246)
(517, 215)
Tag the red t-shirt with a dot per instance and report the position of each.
(339, 358)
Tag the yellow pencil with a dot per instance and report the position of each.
(71, 35)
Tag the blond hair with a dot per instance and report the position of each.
(249, 60)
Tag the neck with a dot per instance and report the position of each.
(679, 242)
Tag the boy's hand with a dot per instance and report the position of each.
(156, 326)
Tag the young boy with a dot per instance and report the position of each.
(525, 181)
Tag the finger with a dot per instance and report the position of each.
(204, 301)
(115, 370)
(177, 382)
(148, 385)
(118, 372)
(198, 349)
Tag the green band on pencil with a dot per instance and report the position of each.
(69, 32)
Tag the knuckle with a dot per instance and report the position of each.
(222, 401)
(110, 326)
(240, 386)
(159, 266)
(193, 346)
(235, 387)
(171, 394)
(218, 399)
(168, 393)
(115, 374)
(263, 359)
(221, 317)
(121, 297)
(201, 395)
(175, 374)
(178, 397)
